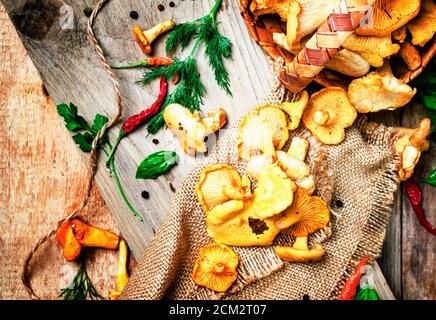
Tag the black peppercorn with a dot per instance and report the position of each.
(134, 15)
(172, 4)
(145, 195)
(161, 7)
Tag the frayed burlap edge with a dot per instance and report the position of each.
(374, 231)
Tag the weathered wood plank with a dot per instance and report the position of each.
(419, 256)
(42, 173)
(390, 260)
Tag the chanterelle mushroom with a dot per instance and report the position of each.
(328, 114)
(379, 91)
(349, 63)
(295, 110)
(262, 131)
(273, 194)
(423, 27)
(190, 129)
(409, 145)
(387, 16)
(250, 222)
(145, 38)
(307, 215)
(215, 267)
(218, 184)
(374, 49)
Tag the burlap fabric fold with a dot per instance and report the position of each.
(357, 178)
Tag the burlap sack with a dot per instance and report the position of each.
(357, 178)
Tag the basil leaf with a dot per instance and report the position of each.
(156, 165)
(73, 121)
(431, 178)
(367, 294)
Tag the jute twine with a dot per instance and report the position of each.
(93, 161)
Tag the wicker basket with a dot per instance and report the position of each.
(262, 28)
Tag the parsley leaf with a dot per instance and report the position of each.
(85, 134)
(73, 121)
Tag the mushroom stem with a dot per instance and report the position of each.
(219, 268)
(300, 243)
(321, 118)
(158, 29)
(420, 135)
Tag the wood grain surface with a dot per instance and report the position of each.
(72, 73)
(42, 174)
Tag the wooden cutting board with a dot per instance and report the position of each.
(53, 32)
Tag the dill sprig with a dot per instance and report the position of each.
(190, 90)
(81, 287)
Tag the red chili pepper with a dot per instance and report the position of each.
(414, 193)
(149, 62)
(349, 289)
(137, 120)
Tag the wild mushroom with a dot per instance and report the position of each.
(122, 274)
(386, 16)
(311, 15)
(328, 114)
(410, 55)
(400, 34)
(250, 222)
(262, 131)
(75, 235)
(423, 26)
(295, 110)
(272, 182)
(190, 129)
(295, 169)
(300, 251)
(349, 63)
(379, 91)
(307, 215)
(215, 267)
(298, 148)
(409, 145)
(145, 38)
(374, 49)
(261, 7)
(218, 184)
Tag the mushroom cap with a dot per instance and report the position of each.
(280, 7)
(339, 114)
(274, 192)
(387, 16)
(374, 49)
(263, 130)
(307, 215)
(213, 181)
(349, 63)
(423, 26)
(299, 255)
(215, 267)
(379, 91)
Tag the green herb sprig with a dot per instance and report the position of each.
(431, 178)
(190, 90)
(84, 137)
(81, 287)
(156, 165)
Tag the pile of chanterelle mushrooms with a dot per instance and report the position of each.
(393, 29)
(282, 200)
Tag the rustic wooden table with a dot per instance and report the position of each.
(42, 170)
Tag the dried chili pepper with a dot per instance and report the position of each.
(414, 193)
(149, 62)
(349, 289)
(135, 121)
